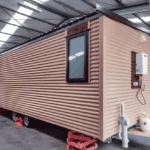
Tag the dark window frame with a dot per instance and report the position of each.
(86, 50)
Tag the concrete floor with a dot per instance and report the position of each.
(44, 136)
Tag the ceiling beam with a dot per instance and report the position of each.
(21, 26)
(131, 6)
(70, 7)
(134, 14)
(129, 11)
(94, 15)
(50, 9)
(119, 2)
(6, 48)
(9, 42)
(20, 36)
(17, 21)
(141, 20)
(105, 3)
(3, 48)
(89, 3)
(29, 7)
(121, 19)
(27, 15)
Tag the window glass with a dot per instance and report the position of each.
(76, 57)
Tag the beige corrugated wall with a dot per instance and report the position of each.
(33, 83)
(119, 41)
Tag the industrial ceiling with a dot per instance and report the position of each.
(24, 20)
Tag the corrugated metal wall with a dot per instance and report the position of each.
(33, 82)
(119, 41)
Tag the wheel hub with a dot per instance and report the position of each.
(26, 121)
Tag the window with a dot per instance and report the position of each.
(77, 57)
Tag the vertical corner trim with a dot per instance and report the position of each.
(89, 24)
(89, 55)
(65, 33)
(101, 82)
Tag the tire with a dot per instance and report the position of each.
(96, 146)
(14, 115)
(27, 121)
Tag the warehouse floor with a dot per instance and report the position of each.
(44, 136)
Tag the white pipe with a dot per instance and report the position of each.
(122, 109)
(125, 122)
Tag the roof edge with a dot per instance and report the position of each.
(92, 16)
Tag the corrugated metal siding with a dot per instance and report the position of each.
(119, 41)
(33, 82)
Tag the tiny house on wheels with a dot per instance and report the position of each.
(78, 75)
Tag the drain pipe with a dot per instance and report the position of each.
(125, 122)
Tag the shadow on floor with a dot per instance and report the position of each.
(44, 127)
(51, 130)
(136, 142)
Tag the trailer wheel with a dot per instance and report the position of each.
(14, 115)
(108, 140)
(27, 121)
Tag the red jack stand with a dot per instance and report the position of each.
(19, 121)
(79, 141)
